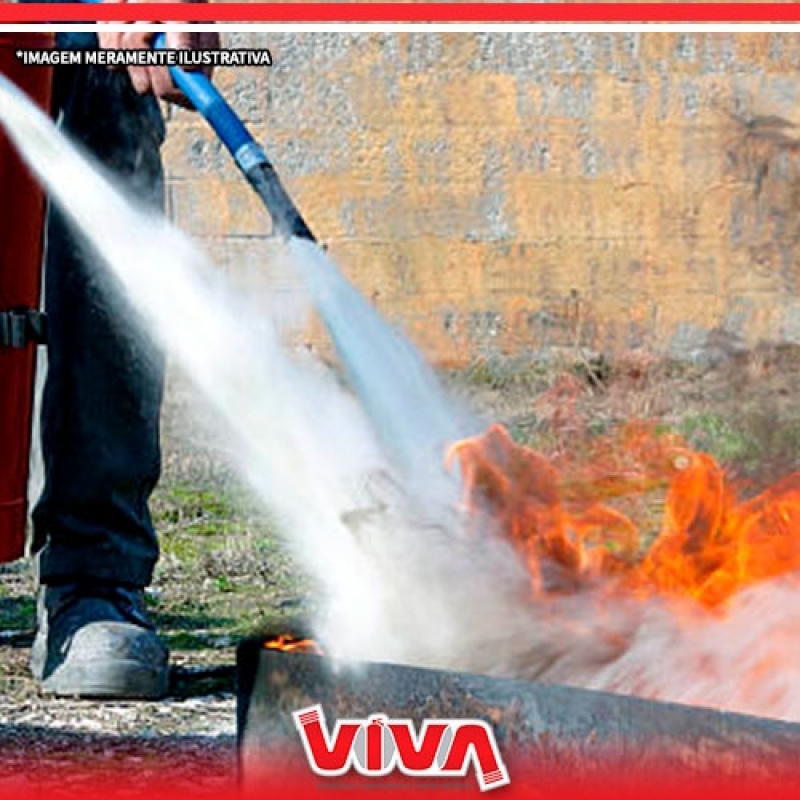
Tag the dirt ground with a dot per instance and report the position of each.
(224, 573)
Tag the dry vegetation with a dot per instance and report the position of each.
(224, 573)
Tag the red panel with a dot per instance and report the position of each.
(22, 206)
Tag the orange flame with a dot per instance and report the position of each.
(708, 545)
(288, 643)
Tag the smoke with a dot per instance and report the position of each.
(372, 524)
(359, 489)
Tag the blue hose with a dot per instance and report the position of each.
(246, 151)
(225, 122)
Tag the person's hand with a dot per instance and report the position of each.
(157, 80)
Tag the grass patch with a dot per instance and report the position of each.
(17, 613)
(718, 435)
(502, 374)
(224, 568)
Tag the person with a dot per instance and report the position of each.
(93, 533)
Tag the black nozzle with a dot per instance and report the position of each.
(286, 219)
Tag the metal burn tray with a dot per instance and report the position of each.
(571, 735)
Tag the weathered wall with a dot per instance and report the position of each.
(516, 193)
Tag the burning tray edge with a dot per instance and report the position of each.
(551, 723)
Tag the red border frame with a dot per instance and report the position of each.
(401, 12)
(319, 12)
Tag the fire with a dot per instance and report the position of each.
(289, 643)
(707, 545)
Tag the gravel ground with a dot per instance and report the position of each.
(48, 744)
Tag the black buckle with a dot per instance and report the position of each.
(22, 326)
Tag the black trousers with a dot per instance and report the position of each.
(104, 387)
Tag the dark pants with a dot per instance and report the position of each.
(102, 398)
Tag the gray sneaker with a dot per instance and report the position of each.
(97, 641)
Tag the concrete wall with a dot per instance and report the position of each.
(515, 194)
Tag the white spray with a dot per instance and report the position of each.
(358, 520)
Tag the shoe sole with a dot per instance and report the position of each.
(119, 680)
